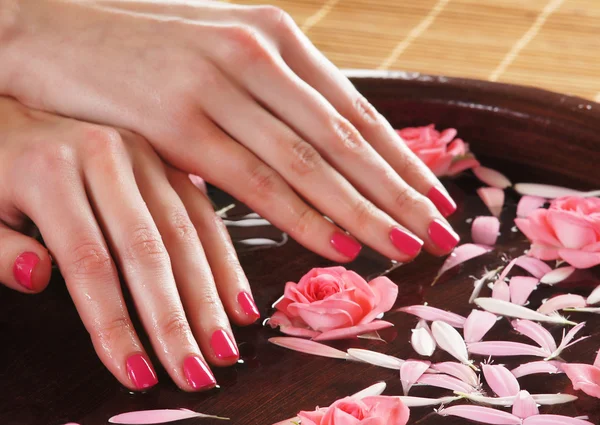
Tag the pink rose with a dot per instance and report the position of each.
(569, 230)
(333, 303)
(376, 410)
(441, 152)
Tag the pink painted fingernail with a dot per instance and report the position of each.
(345, 245)
(223, 345)
(405, 242)
(248, 305)
(445, 239)
(23, 268)
(443, 202)
(198, 374)
(140, 372)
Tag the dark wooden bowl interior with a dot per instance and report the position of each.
(49, 373)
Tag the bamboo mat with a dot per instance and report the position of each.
(553, 44)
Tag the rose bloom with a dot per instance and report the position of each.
(376, 410)
(569, 230)
(441, 152)
(333, 303)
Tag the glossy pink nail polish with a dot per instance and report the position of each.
(23, 268)
(223, 346)
(198, 374)
(443, 202)
(445, 238)
(405, 242)
(345, 245)
(140, 372)
(248, 305)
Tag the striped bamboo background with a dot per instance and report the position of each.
(553, 44)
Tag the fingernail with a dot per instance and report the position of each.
(405, 242)
(23, 268)
(223, 345)
(445, 238)
(443, 202)
(345, 245)
(247, 303)
(140, 372)
(198, 374)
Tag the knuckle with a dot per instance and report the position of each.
(182, 227)
(50, 158)
(263, 180)
(305, 221)
(277, 18)
(365, 113)
(347, 138)
(110, 332)
(146, 246)
(90, 259)
(247, 44)
(305, 157)
(404, 198)
(363, 213)
(175, 326)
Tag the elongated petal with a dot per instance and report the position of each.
(553, 399)
(480, 283)
(493, 198)
(524, 405)
(410, 372)
(431, 314)
(500, 380)
(505, 348)
(554, 420)
(484, 230)
(461, 254)
(528, 204)
(541, 399)
(410, 401)
(521, 288)
(536, 332)
(422, 340)
(459, 371)
(481, 414)
(544, 190)
(375, 358)
(491, 401)
(557, 275)
(147, 417)
(566, 341)
(594, 297)
(562, 302)
(449, 340)
(501, 291)
(492, 177)
(478, 324)
(373, 390)
(445, 381)
(532, 368)
(308, 347)
(533, 265)
(507, 309)
(353, 331)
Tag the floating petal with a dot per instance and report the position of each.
(584, 377)
(520, 288)
(554, 420)
(528, 204)
(431, 314)
(524, 405)
(478, 324)
(353, 331)
(161, 416)
(534, 266)
(449, 340)
(445, 381)
(461, 254)
(493, 198)
(373, 390)
(562, 302)
(505, 348)
(500, 380)
(537, 333)
(375, 358)
(594, 297)
(422, 340)
(308, 347)
(507, 309)
(545, 190)
(458, 370)
(557, 275)
(410, 401)
(501, 291)
(492, 177)
(481, 414)
(479, 284)
(484, 230)
(410, 372)
(532, 368)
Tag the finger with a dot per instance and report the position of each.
(59, 206)
(25, 264)
(232, 284)
(140, 253)
(308, 173)
(226, 164)
(271, 81)
(191, 269)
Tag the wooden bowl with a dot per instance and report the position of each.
(49, 373)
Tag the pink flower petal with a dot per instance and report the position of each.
(597, 361)
(580, 259)
(521, 288)
(410, 372)
(458, 370)
(478, 324)
(198, 182)
(422, 340)
(566, 341)
(449, 340)
(534, 266)
(554, 420)
(308, 347)
(373, 390)
(375, 358)
(594, 297)
(532, 368)
(543, 252)
(500, 380)
(507, 309)
(492, 177)
(557, 275)
(431, 314)
(386, 293)
(147, 417)
(461, 254)
(446, 382)
(484, 230)
(493, 198)
(505, 348)
(485, 415)
(561, 302)
(353, 331)
(544, 190)
(528, 204)
(537, 333)
(524, 405)
(501, 290)
(462, 164)
(410, 401)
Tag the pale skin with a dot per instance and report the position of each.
(236, 95)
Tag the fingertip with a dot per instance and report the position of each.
(32, 270)
(40, 276)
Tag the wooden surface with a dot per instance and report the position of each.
(49, 373)
(552, 44)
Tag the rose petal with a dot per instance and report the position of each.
(493, 198)
(561, 302)
(431, 314)
(353, 331)
(461, 254)
(528, 204)
(521, 288)
(572, 232)
(386, 293)
(580, 259)
(524, 405)
(543, 252)
(478, 324)
(462, 164)
(484, 230)
(500, 380)
(492, 177)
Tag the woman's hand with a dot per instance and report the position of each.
(240, 97)
(104, 202)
